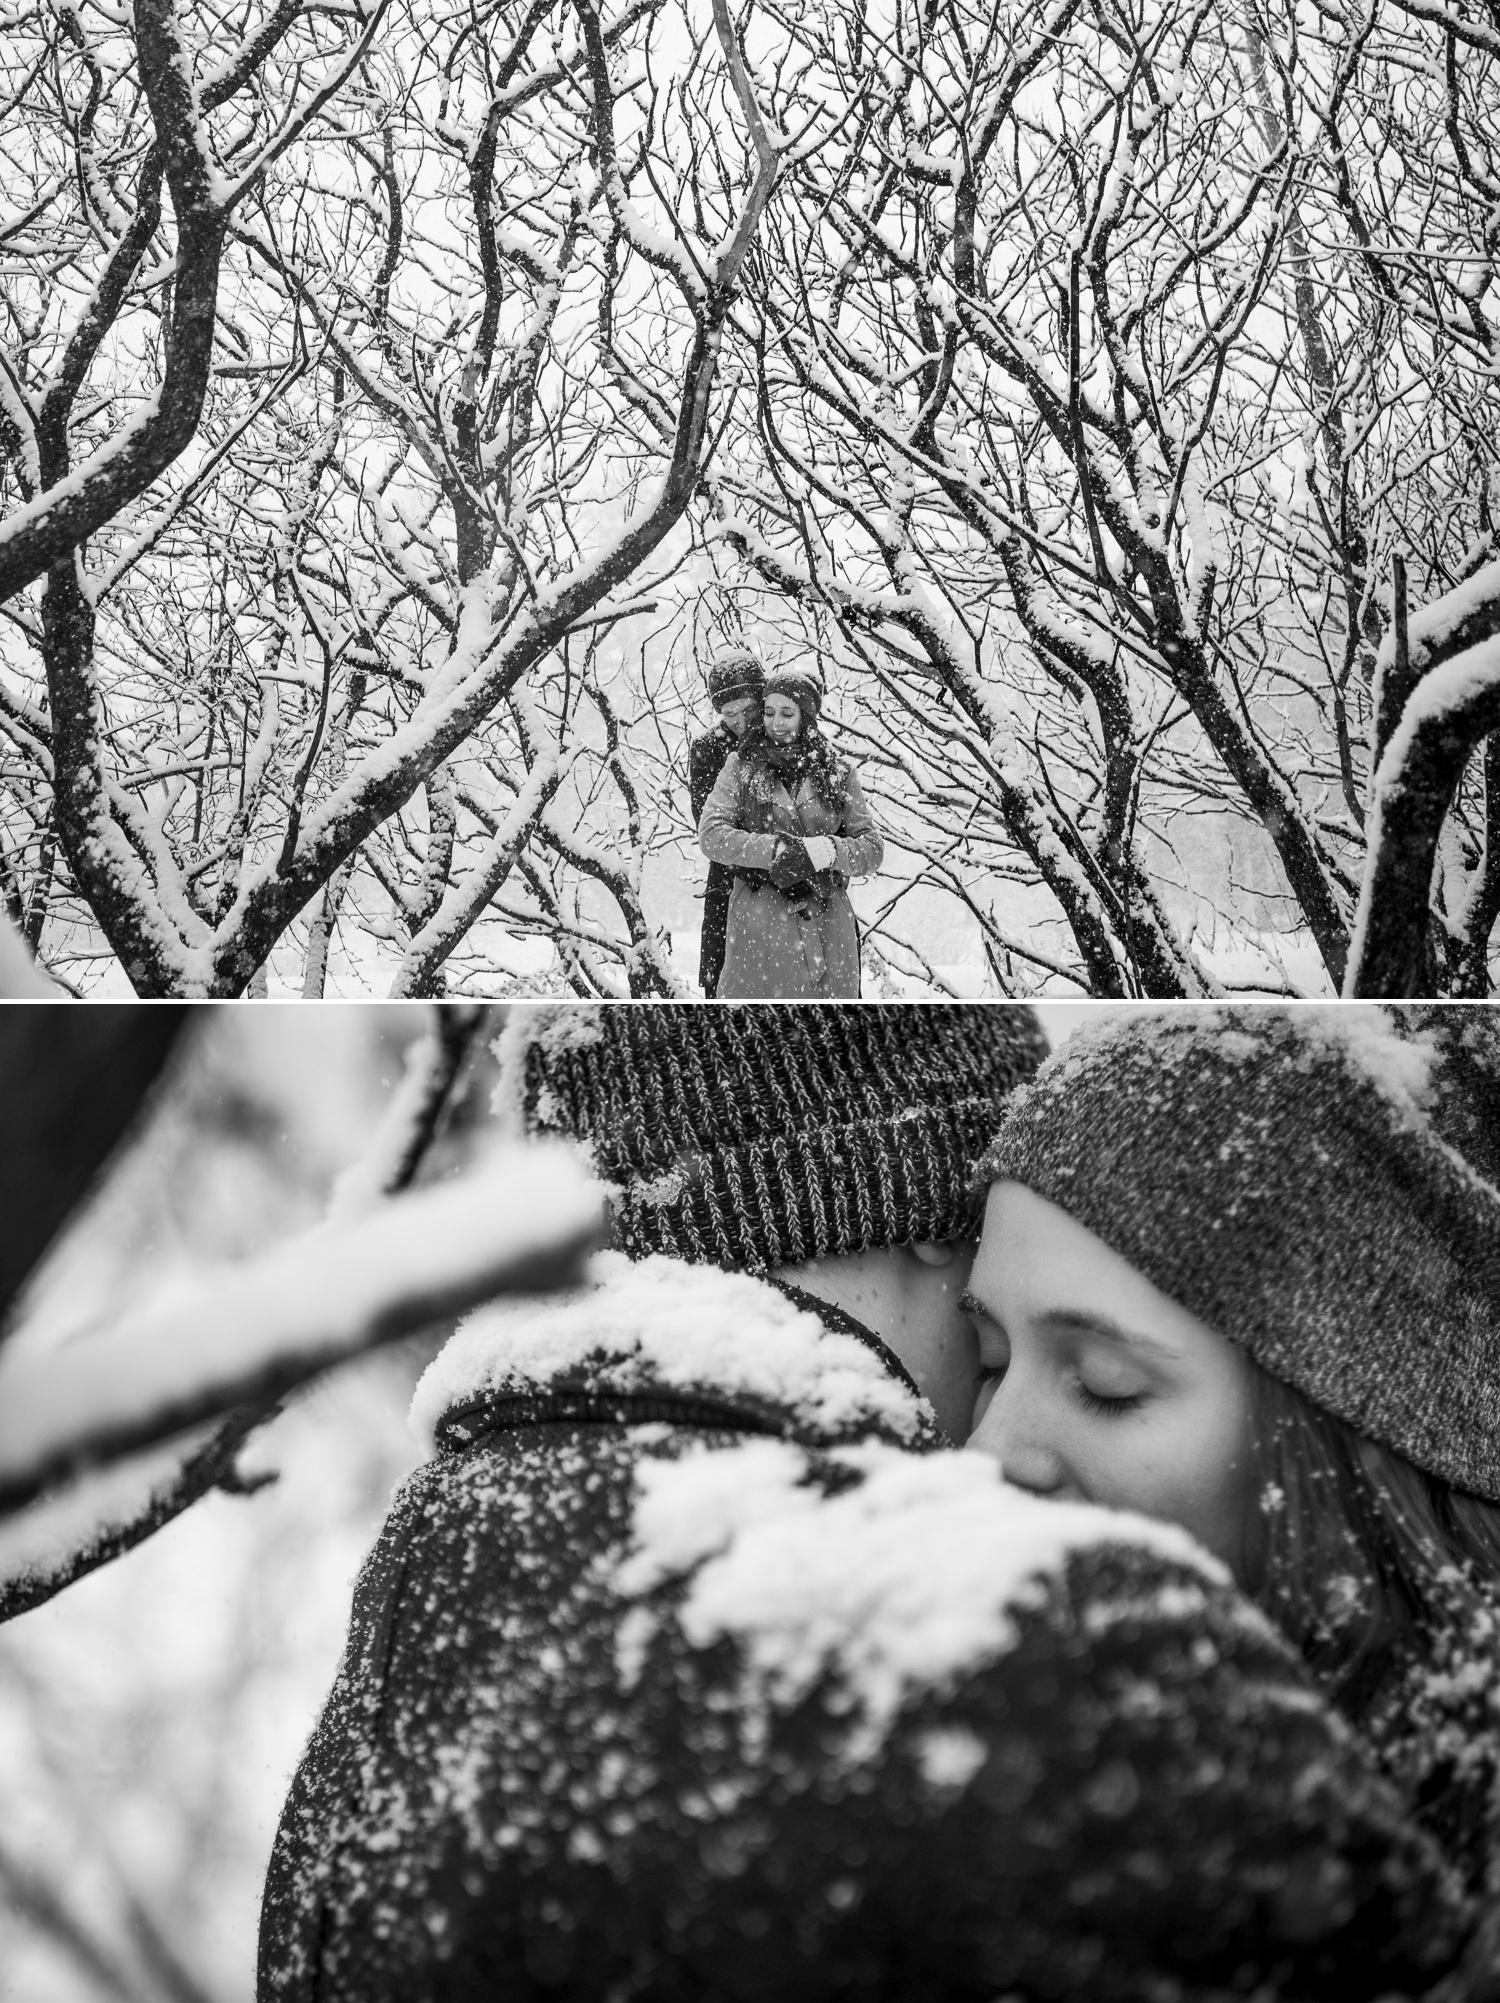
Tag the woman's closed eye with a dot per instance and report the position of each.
(1106, 1382)
(1111, 1405)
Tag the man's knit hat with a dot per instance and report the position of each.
(804, 688)
(734, 675)
(757, 1137)
(1321, 1185)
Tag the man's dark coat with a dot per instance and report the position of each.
(575, 1751)
(706, 759)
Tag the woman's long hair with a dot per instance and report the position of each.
(1388, 1581)
(1360, 1557)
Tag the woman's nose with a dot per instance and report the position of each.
(1009, 1432)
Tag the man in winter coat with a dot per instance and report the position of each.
(735, 684)
(687, 1668)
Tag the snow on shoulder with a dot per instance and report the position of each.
(905, 1582)
(660, 1323)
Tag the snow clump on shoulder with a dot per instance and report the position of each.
(905, 1582)
(659, 1323)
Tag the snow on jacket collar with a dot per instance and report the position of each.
(684, 1339)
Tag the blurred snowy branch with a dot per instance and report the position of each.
(430, 1084)
(248, 1336)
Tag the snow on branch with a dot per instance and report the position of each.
(1452, 707)
(74, 504)
(253, 1332)
(425, 1096)
(87, 1524)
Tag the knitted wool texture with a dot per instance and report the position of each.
(757, 1137)
(804, 688)
(1321, 1185)
(735, 675)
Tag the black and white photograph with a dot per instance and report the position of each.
(741, 1502)
(750, 1001)
(1047, 448)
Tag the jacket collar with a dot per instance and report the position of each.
(657, 1338)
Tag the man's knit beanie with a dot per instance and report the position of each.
(755, 1137)
(736, 674)
(1321, 1185)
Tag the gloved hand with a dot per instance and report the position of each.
(820, 851)
(790, 864)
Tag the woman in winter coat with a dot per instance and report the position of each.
(1241, 1271)
(788, 816)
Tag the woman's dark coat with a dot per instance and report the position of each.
(549, 1768)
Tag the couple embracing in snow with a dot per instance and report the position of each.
(784, 824)
(695, 1664)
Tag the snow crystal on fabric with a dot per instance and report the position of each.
(1399, 1064)
(948, 1757)
(550, 1027)
(663, 1323)
(904, 1583)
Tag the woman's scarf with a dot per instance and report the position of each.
(808, 756)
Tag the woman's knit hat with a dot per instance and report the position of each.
(755, 1137)
(804, 688)
(1321, 1185)
(734, 675)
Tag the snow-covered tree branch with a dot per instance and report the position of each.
(107, 1437)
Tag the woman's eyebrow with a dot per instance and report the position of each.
(1068, 1321)
(970, 1302)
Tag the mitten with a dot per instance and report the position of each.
(821, 852)
(790, 864)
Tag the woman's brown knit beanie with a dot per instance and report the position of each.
(1321, 1185)
(755, 1137)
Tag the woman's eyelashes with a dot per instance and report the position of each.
(1108, 1400)
(1108, 1405)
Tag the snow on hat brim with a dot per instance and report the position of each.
(1311, 1183)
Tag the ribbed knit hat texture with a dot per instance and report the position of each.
(755, 1137)
(1321, 1185)
(735, 675)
